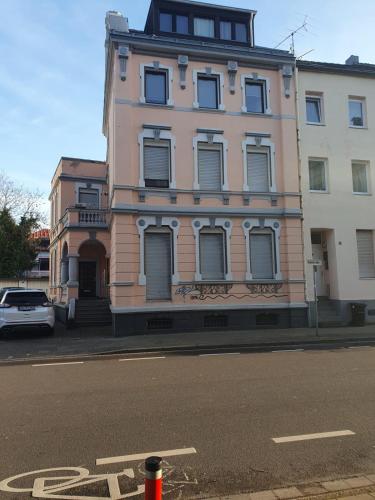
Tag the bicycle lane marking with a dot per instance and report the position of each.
(81, 477)
(41, 490)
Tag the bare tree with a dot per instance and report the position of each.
(19, 200)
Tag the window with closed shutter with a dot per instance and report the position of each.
(262, 254)
(258, 170)
(156, 163)
(212, 255)
(89, 197)
(365, 246)
(210, 167)
(158, 265)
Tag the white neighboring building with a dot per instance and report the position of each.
(337, 152)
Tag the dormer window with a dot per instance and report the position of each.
(233, 31)
(174, 23)
(204, 27)
(202, 21)
(166, 22)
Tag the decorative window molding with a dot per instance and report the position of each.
(287, 72)
(259, 141)
(212, 223)
(156, 134)
(183, 62)
(220, 87)
(88, 185)
(265, 81)
(274, 225)
(142, 224)
(210, 137)
(123, 54)
(232, 71)
(155, 66)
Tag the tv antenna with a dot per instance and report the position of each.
(292, 34)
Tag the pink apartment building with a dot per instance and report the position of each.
(195, 219)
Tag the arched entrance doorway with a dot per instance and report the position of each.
(92, 270)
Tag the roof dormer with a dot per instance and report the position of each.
(201, 21)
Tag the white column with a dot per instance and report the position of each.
(73, 271)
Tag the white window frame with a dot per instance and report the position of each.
(275, 226)
(259, 142)
(205, 223)
(216, 139)
(362, 100)
(84, 185)
(155, 66)
(365, 164)
(255, 78)
(325, 161)
(149, 133)
(373, 247)
(142, 224)
(318, 96)
(220, 89)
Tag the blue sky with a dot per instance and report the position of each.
(52, 68)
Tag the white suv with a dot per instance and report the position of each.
(24, 308)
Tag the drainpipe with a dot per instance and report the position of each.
(296, 96)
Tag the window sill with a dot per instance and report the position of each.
(358, 127)
(318, 124)
(209, 110)
(260, 115)
(154, 105)
(318, 191)
(367, 279)
(361, 194)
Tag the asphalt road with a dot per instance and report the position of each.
(227, 407)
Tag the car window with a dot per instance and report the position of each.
(26, 298)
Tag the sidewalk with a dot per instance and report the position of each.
(97, 340)
(348, 488)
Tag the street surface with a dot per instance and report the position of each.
(227, 423)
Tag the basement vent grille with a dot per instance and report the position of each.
(159, 323)
(215, 321)
(267, 319)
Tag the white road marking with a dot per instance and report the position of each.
(220, 354)
(138, 359)
(289, 350)
(319, 435)
(59, 364)
(143, 456)
(358, 346)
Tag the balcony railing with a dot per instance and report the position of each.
(92, 217)
(37, 273)
(85, 217)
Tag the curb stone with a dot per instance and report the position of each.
(178, 349)
(351, 487)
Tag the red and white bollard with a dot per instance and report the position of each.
(154, 478)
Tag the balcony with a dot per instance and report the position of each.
(85, 217)
(92, 217)
(37, 274)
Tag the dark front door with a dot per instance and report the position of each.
(87, 279)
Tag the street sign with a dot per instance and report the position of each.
(314, 262)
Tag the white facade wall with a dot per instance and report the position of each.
(338, 212)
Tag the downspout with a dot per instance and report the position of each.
(296, 95)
